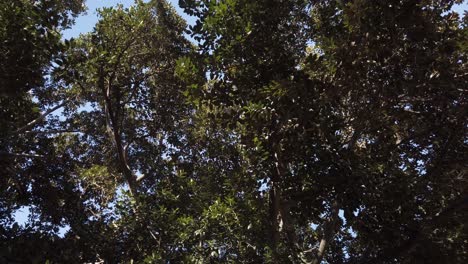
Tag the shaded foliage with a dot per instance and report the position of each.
(291, 132)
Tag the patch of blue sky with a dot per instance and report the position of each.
(85, 23)
(461, 8)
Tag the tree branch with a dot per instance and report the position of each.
(114, 133)
(26, 155)
(47, 132)
(328, 233)
(40, 118)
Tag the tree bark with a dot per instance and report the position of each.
(114, 133)
(328, 233)
(280, 211)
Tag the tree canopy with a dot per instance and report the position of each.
(269, 131)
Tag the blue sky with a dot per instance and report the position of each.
(461, 8)
(86, 22)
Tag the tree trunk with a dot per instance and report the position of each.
(329, 230)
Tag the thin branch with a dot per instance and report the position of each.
(48, 132)
(25, 155)
(40, 118)
(133, 93)
(141, 177)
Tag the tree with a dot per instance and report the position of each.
(128, 122)
(396, 75)
(294, 132)
(114, 88)
(30, 37)
(324, 98)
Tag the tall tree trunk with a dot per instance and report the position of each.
(276, 219)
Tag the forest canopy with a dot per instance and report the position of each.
(268, 131)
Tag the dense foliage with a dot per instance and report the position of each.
(285, 132)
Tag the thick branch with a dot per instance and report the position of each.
(328, 233)
(276, 219)
(281, 219)
(114, 131)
